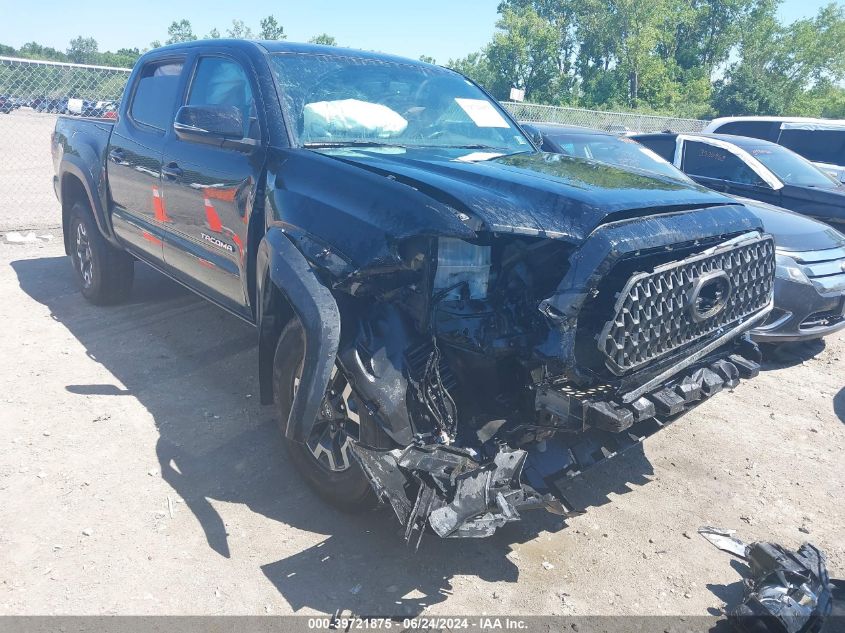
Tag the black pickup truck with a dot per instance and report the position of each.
(448, 320)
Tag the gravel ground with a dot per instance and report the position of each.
(139, 475)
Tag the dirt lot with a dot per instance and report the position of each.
(138, 474)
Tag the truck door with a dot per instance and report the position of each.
(718, 168)
(134, 157)
(211, 187)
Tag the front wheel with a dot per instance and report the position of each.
(325, 460)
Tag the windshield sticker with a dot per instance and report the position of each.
(482, 113)
(520, 140)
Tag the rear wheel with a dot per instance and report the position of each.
(325, 460)
(104, 273)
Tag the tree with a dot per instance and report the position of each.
(323, 38)
(524, 54)
(213, 34)
(428, 59)
(33, 50)
(784, 69)
(83, 50)
(475, 66)
(180, 31)
(271, 29)
(239, 30)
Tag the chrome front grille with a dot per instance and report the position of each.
(686, 302)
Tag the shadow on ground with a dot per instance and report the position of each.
(192, 366)
(783, 355)
(839, 405)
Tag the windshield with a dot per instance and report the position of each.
(821, 146)
(791, 168)
(616, 150)
(333, 100)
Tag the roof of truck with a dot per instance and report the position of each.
(284, 46)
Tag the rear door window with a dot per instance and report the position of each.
(663, 146)
(155, 94)
(710, 161)
(767, 130)
(821, 146)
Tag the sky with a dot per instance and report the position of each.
(443, 29)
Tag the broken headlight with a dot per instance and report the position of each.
(787, 268)
(463, 269)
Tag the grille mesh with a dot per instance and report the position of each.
(652, 316)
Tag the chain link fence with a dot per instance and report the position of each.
(34, 93)
(601, 119)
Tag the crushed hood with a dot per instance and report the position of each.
(534, 193)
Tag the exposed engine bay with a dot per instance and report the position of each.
(504, 366)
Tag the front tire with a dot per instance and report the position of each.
(325, 461)
(104, 273)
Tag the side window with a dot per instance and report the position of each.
(663, 146)
(767, 130)
(709, 161)
(223, 82)
(155, 94)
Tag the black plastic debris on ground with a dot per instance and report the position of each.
(788, 592)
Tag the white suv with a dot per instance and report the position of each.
(821, 141)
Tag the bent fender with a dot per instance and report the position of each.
(317, 311)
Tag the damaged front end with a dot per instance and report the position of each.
(485, 374)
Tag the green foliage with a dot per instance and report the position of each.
(475, 66)
(271, 29)
(180, 31)
(692, 58)
(82, 50)
(323, 38)
(239, 30)
(524, 54)
(428, 59)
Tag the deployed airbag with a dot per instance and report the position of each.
(351, 117)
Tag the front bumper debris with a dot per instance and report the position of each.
(570, 409)
(787, 592)
(458, 493)
(447, 488)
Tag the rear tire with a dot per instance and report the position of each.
(347, 489)
(104, 273)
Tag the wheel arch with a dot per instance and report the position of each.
(77, 185)
(287, 288)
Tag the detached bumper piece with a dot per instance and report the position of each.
(448, 489)
(787, 592)
(564, 407)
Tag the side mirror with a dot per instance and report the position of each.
(213, 125)
(537, 137)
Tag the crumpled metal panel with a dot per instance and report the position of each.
(653, 315)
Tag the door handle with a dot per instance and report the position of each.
(171, 171)
(117, 156)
